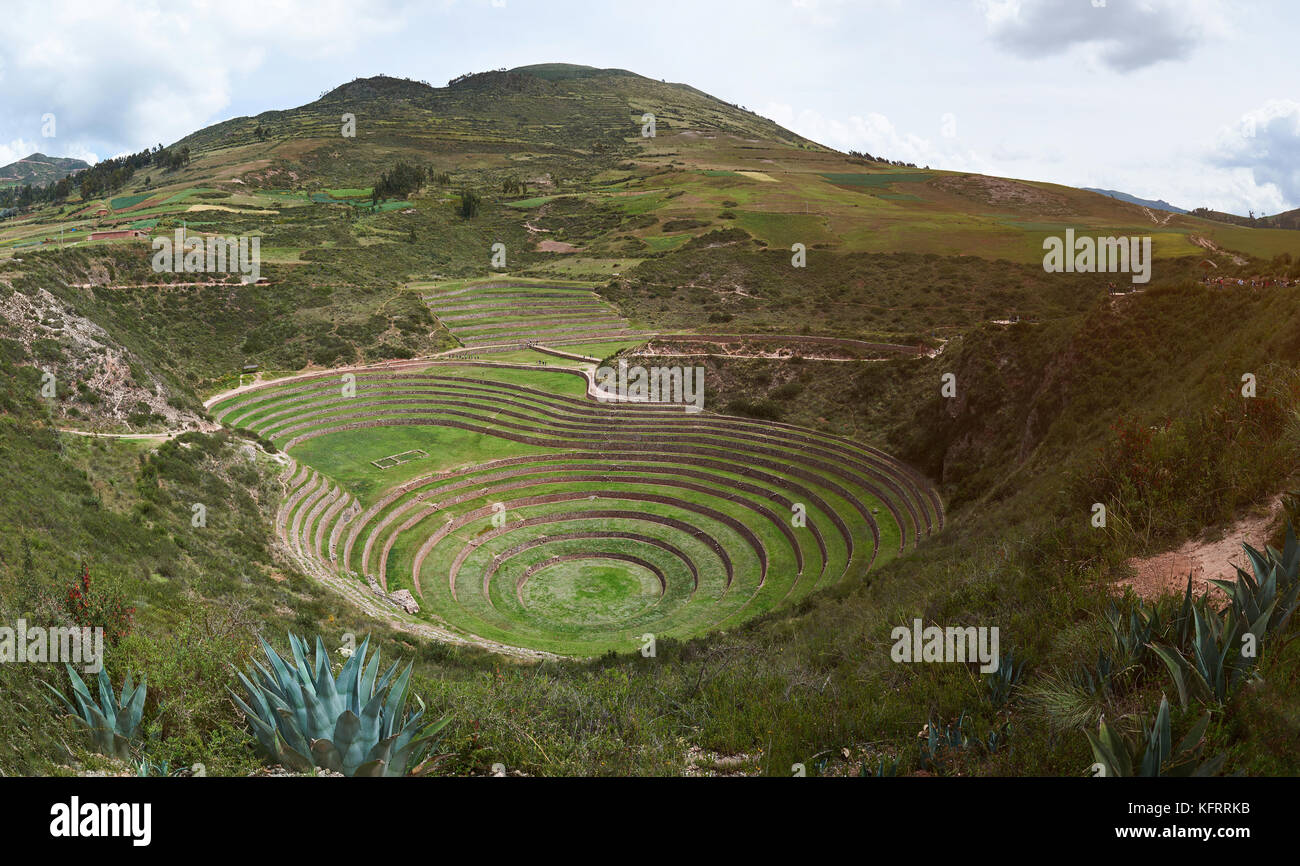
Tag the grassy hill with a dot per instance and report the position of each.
(823, 389)
(1285, 220)
(39, 169)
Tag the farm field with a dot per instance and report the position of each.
(544, 520)
(489, 312)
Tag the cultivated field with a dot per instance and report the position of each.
(482, 313)
(545, 520)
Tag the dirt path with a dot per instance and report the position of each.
(1203, 559)
(168, 434)
(1157, 220)
(382, 365)
(762, 356)
(449, 355)
(1207, 244)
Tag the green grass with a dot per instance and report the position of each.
(346, 456)
(560, 486)
(877, 179)
(582, 593)
(126, 201)
(897, 255)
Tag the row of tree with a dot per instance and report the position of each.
(102, 178)
(862, 154)
(1288, 220)
(404, 179)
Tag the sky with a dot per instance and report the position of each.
(1196, 102)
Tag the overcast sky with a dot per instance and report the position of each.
(1193, 101)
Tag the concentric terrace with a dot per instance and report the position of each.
(517, 509)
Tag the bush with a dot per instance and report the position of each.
(96, 607)
(470, 204)
(763, 410)
(191, 717)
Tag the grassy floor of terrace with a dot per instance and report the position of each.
(524, 474)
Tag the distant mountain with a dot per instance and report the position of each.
(1132, 199)
(39, 169)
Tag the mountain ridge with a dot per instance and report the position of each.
(38, 169)
(1160, 204)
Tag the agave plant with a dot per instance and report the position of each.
(1130, 639)
(1121, 756)
(1095, 680)
(113, 722)
(884, 769)
(1183, 622)
(1271, 595)
(1003, 681)
(1218, 664)
(939, 741)
(355, 724)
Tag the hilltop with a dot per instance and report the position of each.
(572, 145)
(1285, 220)
(39, 169)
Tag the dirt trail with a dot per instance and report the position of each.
(1206, 243)
(1157, 220)
(168, 434)
(1204, 560)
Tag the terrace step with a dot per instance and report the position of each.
(699, 506)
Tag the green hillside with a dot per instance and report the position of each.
(396, 431)
(39, 169)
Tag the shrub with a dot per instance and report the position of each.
(470, 204)
(95, 607)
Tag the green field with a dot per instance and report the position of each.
(827, 493)
(647, 520)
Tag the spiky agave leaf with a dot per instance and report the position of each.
(111, 721)
(1159, 742)
(354, 723)
(1110, 750)
(417, 750)
(132, 710)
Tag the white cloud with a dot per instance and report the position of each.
(874, 134)
(134, 74)
(1123, 35)
(1263, 153)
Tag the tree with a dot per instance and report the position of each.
(470, 203)
(401, 181)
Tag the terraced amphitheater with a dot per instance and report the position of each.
(513, 311)
(518, 510)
